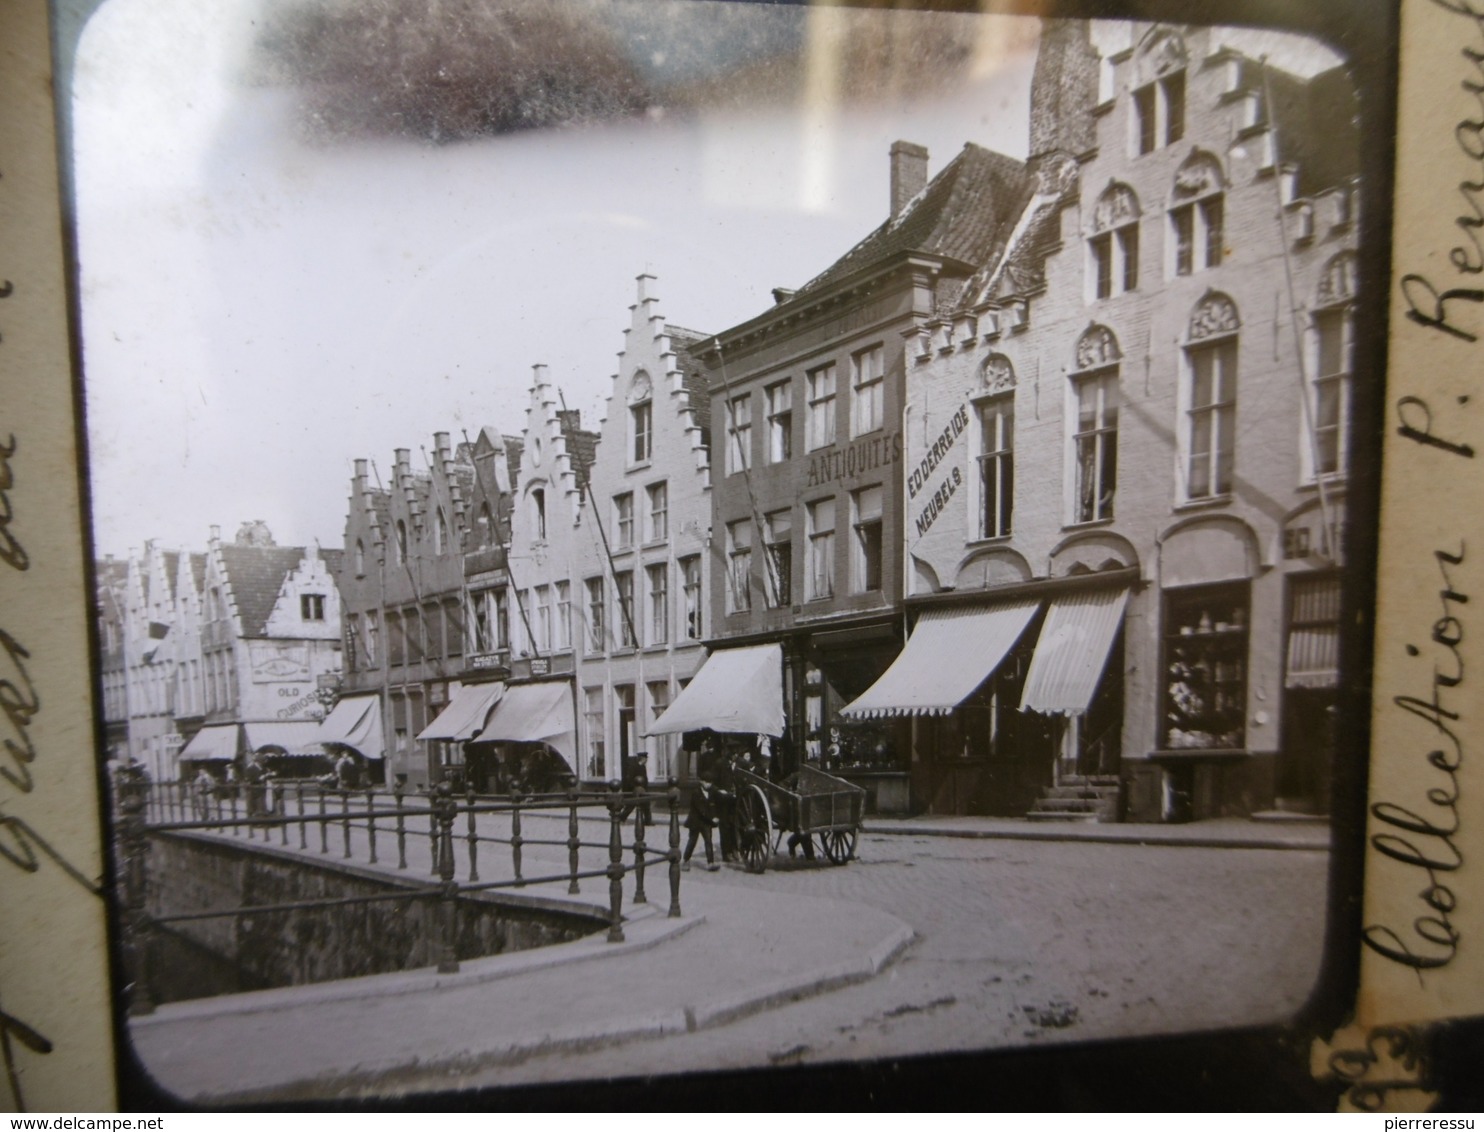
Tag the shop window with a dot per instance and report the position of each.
(739, 434)
(739, 566)
(1210, 432)
(868, 385)
(821, 419)
(821, 573)
(658, 576)
(996, 465)
(623, 521)
(1095, 445)
(690, 573)
(659, 511)
(779, 560)
(779, 402)
(865, 566)
(1334, 334)
(1114, 244)
(1205, 666)
(312, 607)
(596, 616)
(1159, 113)
(623, 588)
(597, 726)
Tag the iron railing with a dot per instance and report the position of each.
(275, 810)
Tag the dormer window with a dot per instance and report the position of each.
(1114, 244)
(641, 419)
(311, 607)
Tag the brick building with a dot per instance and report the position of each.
(270, 651)
(1125, 451)
(807, 401)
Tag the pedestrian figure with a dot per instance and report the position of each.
(256, 778)
(725, 800)
(699, 820)
(636, 781)
(345, 771)
(202, 788)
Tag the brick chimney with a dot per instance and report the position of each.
(909, 168)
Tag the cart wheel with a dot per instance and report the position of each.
(839, 845)
(754, 827)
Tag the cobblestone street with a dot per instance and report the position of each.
(1020, 943)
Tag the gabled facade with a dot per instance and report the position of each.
(402, 579)
(641, 581)
(807, 402)
(1133, 428)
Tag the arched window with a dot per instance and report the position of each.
(1197, 214)
(1114, 243)
(1333, 343)
(994, 446)
(401, 542)
(641, 419)
(440, 532)
(538, 513)
(360, 559)
(1158, 117)
(1209, 432)
(1093, 421)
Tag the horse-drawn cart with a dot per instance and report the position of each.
(807, 802)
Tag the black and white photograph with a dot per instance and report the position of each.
(636, 539)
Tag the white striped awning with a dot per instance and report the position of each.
(739, 691)
(214, 743)
(948, 655)
(294, 736)
(355, 722)
(535, 713)
(467, 712)
(1073, 651)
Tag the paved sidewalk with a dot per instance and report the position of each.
(1217, 833)
(735, 951)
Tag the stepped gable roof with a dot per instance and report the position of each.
(514, 446)
(683, 341)
(965, 213)
(172, 568)
(381, 507)
(582, 447)
(198, 571)
(255, 575)
(333, 559)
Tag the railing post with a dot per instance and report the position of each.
(574, 843)
(345, 820)
(236, 797)
(133, 798)
(615, 864)
(444, 810)
(473, 839)
(371, 821)
(674, 853)
(303, 825)
(324, 824)
(639, 897)
(516, 840)
(281, 813)
(401, 829)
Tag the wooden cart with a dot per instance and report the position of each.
(807, 802)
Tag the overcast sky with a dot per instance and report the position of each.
(266, 298)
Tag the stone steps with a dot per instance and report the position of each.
(1079, 798)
